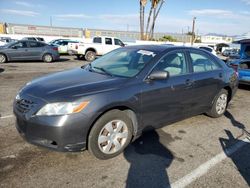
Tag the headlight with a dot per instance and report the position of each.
(62, 108)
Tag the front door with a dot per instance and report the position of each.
(165, 101)
(18, 51)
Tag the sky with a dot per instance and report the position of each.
(227, 17)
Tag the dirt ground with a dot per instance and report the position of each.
(196, 152)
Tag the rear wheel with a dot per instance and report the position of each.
(3, 58)
(109, 136)
(90, 56)
(220, 104)
(47, 58)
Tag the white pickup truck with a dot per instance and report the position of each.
(98, 47)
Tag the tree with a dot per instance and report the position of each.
(168, 38)
(155, 8)
(142, 15)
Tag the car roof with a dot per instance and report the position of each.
(31, 41)
(160, 48)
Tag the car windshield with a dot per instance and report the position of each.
(124, 62)
(9, 44)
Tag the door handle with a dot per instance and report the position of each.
(220, 75)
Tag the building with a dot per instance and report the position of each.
(216, 39)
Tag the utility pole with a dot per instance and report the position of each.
(193, 34)
(50, 21)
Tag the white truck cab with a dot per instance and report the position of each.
(99, 46)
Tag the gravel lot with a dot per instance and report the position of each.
(196, 152)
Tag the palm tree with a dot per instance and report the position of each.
(155, 5)
(142, 14)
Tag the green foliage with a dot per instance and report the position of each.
(168, 38)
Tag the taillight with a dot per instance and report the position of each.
(55, 48)
(76, 46)
(235, 67)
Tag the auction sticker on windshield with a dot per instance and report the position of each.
(145, 52)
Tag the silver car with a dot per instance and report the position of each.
(28, 50)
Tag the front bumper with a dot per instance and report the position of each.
(61, 133)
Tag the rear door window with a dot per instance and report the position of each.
(108, 41)
(34, 45)
(202, 63)
(97, 40)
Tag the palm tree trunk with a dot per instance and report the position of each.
(141, 21)
(156, 13)
(148, 22)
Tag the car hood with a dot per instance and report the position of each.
(70, 85)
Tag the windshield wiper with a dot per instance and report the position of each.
(103, 70)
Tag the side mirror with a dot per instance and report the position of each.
(14, 47)
(158, 75)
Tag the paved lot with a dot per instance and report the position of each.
(197, 152)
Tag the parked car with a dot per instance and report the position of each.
(99, 46)
(107, 104)
(34, 39)
(241, 63)
(6, 40)
(63, 45)
(209, 49)
(28, 50)
(243, 68)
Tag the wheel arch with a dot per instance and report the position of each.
(229, 90)
(130, 113)
(7, 58)
(90, 49)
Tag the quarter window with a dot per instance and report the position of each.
(202, 63)
(174, 63)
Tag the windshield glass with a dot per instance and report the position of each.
(123, 62)
(9, 44)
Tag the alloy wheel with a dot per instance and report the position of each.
(221, 104)
(113, 136)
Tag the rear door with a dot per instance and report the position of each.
(35, 50)
(208, 80)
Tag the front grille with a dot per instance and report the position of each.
(24, 105)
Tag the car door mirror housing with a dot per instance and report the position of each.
(158, 75)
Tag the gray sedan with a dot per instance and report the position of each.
(28, 50)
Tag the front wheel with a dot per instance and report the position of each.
(109, 136)
(219, 105)
(3, 58)
(47, 58)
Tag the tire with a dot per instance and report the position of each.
(3, 58)
(47, 58)
(79, 57)
(219, 106)
(110, 135)
(90, 56)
